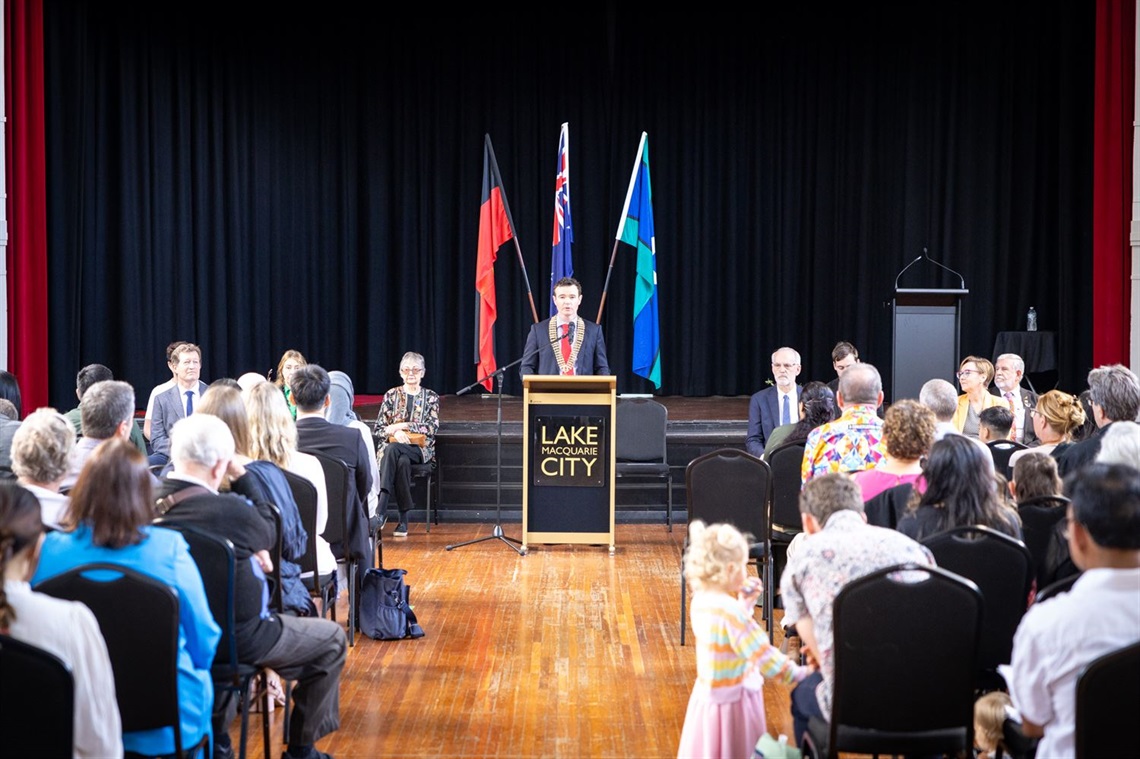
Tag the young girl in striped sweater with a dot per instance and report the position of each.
(725, 717)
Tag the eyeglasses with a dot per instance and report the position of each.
(411, 370)
(783, 366)
(1035, 413)
(966, 372)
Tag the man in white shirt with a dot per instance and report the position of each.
(1008, 371)
(1058, 637)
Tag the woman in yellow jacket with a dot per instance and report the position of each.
(974, 376)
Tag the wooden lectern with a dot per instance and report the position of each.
(568, 459)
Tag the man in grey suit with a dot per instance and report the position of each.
(179, 401)
(1008, 371)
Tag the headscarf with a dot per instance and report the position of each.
(341, 398)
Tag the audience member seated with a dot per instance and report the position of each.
(974, 377)
(265, 484)
(1114, 394)
(106, 411)
(159, 389)
(961, 490)
(315, 434)
(1009, 369)
(1036, 488)
(908, 433)
(994, 424)
(817, 406)
(1056, 417)
(85, 378)
(291, 361)
(1085, 431)
(776, 404)
(841, 547)
(342, 399)
(9, 423)
(1058, 637)
(309, 650)
(409, 409)
(853, 442)
(10, 391)
(273, 438)
(990, 713)
(41, 454)
(1120, 444)
(66, 629)
(109, 517)
(178, 402)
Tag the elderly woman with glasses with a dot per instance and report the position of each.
(406, 426)
(974, 376)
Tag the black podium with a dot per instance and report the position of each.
(926, 328)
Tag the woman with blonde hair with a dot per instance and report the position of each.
(273, 438)
(974, 377)
(41, 457)
(1055, 418)
(291, 361)
(270, 487)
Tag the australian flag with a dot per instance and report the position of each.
(561, 263)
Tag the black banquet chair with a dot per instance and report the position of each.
(338, 482)
(733, 487)
(911, 631)
(1002, 450)
(641, 448)
(1002, 568)
(321, 587)
(138, 616)
(1108, 701)
(37, 701)
(214, 557)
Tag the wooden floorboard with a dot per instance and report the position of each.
(565, 652)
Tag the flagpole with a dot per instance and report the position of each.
(511, 222)
(606, 288)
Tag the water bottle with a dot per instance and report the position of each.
(1031, 320)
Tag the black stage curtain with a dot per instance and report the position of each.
(254, 181)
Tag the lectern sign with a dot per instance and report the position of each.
(570, 451)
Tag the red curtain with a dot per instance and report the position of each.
(26, 203)
(1112, 178)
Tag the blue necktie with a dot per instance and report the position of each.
(189, 402)
(786, 416)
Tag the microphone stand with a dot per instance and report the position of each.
(497, 532)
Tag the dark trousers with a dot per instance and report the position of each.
(311, 652)
(804, 705)
(396, 472)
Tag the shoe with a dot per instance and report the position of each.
(401, 529)
(313, 754)
(791, 647)
(223, 752)
(376, 523)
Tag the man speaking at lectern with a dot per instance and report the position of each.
(565, 344)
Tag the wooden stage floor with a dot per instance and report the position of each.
(566, 652)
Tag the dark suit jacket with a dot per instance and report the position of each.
(315, 434)
(538, 355)
(233, 516)
(1079, 454)
(1028, 400)
(169, 407)
(763, 417)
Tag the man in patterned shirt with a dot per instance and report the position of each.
(840, 547)
(854, 441)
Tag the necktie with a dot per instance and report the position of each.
(786, 415)
(1013, 410)
(189, 402)
(566, 350)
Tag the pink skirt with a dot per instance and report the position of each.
(725, 724)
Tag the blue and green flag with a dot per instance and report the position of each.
(636, 229)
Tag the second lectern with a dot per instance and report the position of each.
(568, 459)
(926, 328)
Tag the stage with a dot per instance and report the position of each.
(467, 443)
